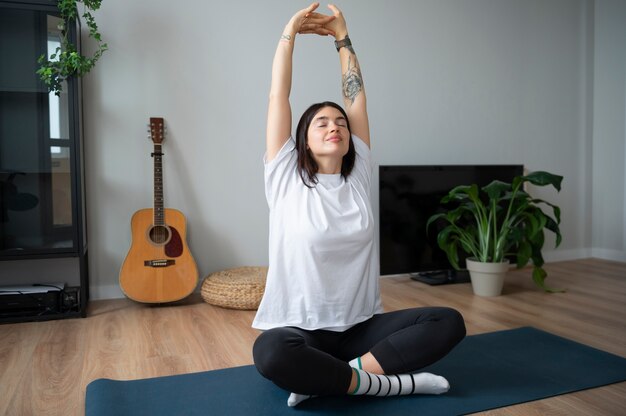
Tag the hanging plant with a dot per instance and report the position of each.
(66, 61)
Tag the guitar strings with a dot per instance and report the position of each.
(159, 214)
(160, 232)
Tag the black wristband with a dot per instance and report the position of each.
(343, 42)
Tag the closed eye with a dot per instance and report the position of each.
(323, 122)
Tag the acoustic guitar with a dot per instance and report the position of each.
(159, 267)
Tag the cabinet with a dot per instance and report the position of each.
(42, 198)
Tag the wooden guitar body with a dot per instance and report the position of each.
(159, 267)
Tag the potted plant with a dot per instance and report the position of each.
(66, 61)
(497, 222)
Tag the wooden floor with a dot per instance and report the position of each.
(46, 366)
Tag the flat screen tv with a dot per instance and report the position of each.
(408, 196)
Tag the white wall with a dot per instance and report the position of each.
(609, 131)
(479, 81)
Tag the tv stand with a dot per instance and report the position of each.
(441, 277)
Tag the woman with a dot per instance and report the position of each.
(324, 328)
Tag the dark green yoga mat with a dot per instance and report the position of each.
(485, 371)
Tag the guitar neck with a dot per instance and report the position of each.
(157, 134)
(159, 213)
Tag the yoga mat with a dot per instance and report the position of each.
(485, 372)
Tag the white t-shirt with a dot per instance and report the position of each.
(323, 264)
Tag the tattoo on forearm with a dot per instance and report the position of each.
(352, 81)
(286, 38)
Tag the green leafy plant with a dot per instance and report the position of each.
(66, 61)
(498, 221)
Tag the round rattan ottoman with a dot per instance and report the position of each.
(239, 288)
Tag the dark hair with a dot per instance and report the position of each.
(307, 166)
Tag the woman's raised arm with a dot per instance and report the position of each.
(353, 90)
(279, 111)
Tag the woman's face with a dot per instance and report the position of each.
(328, 134)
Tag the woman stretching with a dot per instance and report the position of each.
(324, 330)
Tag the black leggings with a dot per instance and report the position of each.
(316, 362)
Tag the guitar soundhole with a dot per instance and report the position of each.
(159, 234)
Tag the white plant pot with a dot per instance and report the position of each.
(487, 278)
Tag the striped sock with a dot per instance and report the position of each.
(388, 385)
(398, 384)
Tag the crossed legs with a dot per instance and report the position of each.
(316, 362)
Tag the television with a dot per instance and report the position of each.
(408, 197)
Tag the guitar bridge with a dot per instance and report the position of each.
(159, 263)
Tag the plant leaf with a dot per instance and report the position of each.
(448, 243)
(524, 251)
(496, 188)
(539, 276)
(53, 72)
(542, 178)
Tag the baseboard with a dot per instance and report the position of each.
(608, 254)
(105, 292)
(551, 256)
(584, 253)
(110, 292)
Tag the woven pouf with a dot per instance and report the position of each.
(240, 288)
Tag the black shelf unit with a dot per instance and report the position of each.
(42, 198)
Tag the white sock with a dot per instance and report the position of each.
(399, 384)
(295, 398)
(356, 363)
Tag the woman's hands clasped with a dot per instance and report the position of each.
(338, 25)
(308, 21)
